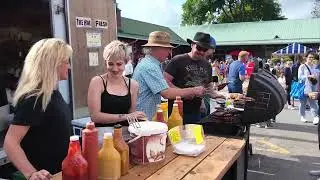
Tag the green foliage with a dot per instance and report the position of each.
(316, 9)
(197, 12)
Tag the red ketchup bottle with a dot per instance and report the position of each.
(90, 149)
(74, 166)
(160, 116)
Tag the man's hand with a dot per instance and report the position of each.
(198, 91)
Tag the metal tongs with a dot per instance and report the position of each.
(133, 121)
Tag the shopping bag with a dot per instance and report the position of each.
(297, 89)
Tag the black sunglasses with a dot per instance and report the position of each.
(199, 48)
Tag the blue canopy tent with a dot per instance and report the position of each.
(294, 48)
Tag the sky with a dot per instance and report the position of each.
(168, 12)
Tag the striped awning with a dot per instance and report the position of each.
(294, 48)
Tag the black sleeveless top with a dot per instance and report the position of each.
(114, 104)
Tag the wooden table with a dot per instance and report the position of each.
(213, 163)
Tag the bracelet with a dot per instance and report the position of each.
(30, 175)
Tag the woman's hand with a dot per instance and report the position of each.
(138, 114)
(40, 175)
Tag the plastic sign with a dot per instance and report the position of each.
(197, 131)
(175, 135)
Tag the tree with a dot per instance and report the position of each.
(197, 12)
(316, 9)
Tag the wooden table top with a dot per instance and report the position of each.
(213, 163)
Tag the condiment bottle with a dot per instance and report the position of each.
(154, 118)
(160, 116)
(164, 107)
(122, 147)
(109, 159)
(74, 166)
(180, 104)
(175, 119)
(90, 149)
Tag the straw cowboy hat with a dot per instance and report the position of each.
(159, 39)
(203, 40)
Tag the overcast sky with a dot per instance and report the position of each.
(168, 12)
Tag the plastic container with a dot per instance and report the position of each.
(175, 119)
(109, 159)
(122, 148)
(180, 105)
(90, 149)
(187, 140)
(154, 118)
(164, 107)
(160, 116)
(149, 142)
(74, 166)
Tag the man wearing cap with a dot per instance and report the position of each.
(190, 70)
(237, 73)
(149, 75)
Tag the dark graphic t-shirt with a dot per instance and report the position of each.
(186, 73)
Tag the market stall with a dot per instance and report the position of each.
(220, 154)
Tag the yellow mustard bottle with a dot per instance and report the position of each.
(109, 160)
(175, 118)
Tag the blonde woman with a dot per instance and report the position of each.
(111, 96)
(38, 137)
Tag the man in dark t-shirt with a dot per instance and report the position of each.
(191, 70)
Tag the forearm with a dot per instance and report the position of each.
(171, 93)
(18, 157)
(106, 118)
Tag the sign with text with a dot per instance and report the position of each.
(93, 39)
(103, 24)
(83, 22)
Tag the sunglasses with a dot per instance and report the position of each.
(199, 48)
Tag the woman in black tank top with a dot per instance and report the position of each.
(112, 97)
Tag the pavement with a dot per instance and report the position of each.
(287, 151)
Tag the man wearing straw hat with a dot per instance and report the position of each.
(190, 70)
(149, 75)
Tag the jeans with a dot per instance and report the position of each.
(235, 88)
(191, 118)
(313, 105)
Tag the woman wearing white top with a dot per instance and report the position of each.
(306, 73)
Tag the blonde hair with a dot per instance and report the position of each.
(39, 76)
(116, 50)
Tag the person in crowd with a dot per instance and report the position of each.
(250, 68)
(128, 69)
(295, 68)
(237, 73)
(222, 71)
(112, 98)
(307, 74)
(215, 72)
(289, 78)
(190, 70)
(149, 75)
(38, 138)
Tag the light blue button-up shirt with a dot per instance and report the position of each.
(151, 81)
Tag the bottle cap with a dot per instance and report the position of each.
(90, 125)
(159, 110)
(175, 104)
(74, 138)
(107, 135)
(178, 97)
(117, 126)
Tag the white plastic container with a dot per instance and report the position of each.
(149, 142)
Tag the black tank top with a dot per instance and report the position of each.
(114, 104)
